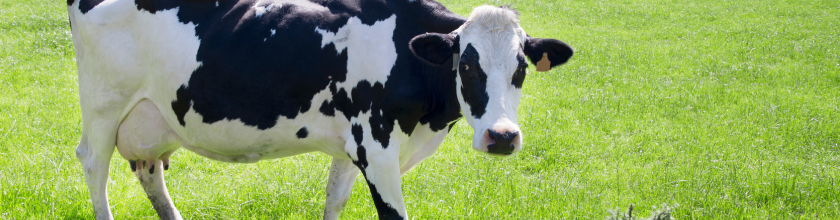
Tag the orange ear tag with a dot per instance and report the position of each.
(544, 64)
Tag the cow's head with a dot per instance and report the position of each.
(489, 52)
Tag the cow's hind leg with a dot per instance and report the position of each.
(155, 187)
(94, 151)
(96, 163)
(343, 174)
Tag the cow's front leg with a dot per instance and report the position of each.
(343, 174)
(380, 166)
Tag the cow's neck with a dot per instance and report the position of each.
(443, 106)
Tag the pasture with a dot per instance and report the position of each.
(728, 109)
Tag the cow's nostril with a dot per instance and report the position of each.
(507, 136)
(491, 134)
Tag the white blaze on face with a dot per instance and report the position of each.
(495, 35)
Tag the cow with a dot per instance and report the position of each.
(376, 84)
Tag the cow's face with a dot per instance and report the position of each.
(489, 53)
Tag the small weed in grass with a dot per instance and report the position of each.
(661, 213)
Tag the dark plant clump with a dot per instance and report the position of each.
(662, 213)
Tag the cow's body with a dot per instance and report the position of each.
(241, 81)
(298, 66)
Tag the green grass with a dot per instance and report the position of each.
(728, 109)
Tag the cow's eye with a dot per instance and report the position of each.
(468, 71)
(518, 77)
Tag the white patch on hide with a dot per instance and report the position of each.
(363, 43)
(260, 10)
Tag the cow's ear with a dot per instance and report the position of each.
(547, 53)
(433, 48)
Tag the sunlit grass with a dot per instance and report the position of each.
(728, 109)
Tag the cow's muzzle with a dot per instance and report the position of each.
(501, 142)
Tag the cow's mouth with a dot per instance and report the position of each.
(500, 150)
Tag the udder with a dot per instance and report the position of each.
(144, 137)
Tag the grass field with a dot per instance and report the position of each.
(728, 109)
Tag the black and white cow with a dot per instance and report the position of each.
(370, 82)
